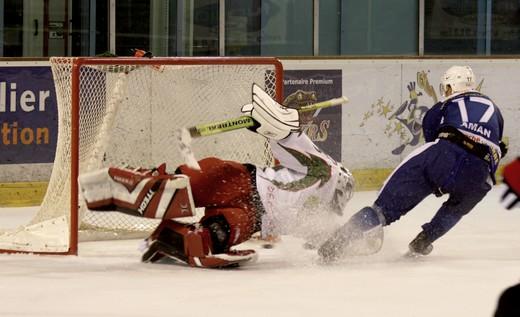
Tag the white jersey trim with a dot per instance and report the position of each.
(477, 138)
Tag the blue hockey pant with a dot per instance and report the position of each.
(439, 167)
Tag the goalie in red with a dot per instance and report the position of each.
(239, 199)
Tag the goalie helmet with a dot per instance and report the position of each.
(343, 190)
(459, 79)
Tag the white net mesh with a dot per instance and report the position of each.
(128, 115)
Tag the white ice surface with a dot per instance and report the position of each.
(464, 275)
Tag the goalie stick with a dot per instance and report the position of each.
(246, 121)
(185, 135)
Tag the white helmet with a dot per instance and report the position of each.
(459, 78)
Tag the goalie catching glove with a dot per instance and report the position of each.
(272, 120)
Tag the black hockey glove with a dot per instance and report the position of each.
(503, 148)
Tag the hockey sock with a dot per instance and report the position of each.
(367, 218)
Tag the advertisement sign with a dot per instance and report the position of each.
(323, 126)
(28, 115)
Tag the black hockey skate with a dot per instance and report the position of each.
(420, 246)
(349, 240)
(335, 247)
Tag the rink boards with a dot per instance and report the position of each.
(378, 128)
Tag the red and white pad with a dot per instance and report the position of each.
(511, 196)
(190, 244)
(145, 193)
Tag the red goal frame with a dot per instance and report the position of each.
(75, 101)
(77, 63)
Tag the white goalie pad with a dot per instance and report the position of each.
(139, 193)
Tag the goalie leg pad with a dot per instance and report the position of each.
(191, 245)
(146, 193)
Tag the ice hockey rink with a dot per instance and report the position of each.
(464, 275)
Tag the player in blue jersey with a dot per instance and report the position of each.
(463, 146)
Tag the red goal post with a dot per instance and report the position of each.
(122, 111)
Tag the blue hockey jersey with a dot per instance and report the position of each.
(473, 114)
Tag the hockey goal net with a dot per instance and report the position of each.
(123, 112)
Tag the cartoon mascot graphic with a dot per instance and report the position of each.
(406, 120)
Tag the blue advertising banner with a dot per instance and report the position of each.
(303, 87)
(28, 115)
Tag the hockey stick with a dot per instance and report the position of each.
(185, 135)
(246, 121)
